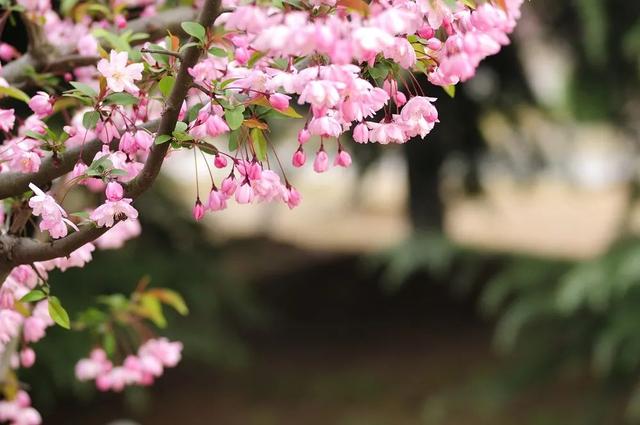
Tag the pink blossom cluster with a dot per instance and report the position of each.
(141, 369)
(19, 411)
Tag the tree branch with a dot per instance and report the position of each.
(156, 26)
(13, 184)
(26, 250)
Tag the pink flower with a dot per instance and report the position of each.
(115, 237)
(119, 75)
(293, 197)
(41, 104)
(228, 186)
(167, 352)
(198, 210)
(299, 158)
(114, 191)
(321, 163)
(217, 200)
(361, 133)
(10, 321)
(303, 136)
(343, 159)
(325, 127)
(220, 161)
(244, 194)
(27, 357)
(107, 213)
(279, 101)
(7, 119)
(53, 215)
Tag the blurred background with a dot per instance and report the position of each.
(489, 274)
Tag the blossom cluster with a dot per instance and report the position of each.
(141, 369)
(339, 66)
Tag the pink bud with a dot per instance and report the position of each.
(41, 104)
(254, 171)
(299, 158)
(434, 44)
(303, 136)
(128, 143)
(400, 99)
(293, 198)
(242, 55)
(343, 159)
(244, 194)
(426, 32)
(27, 357)
(198, 210)
(279, 101)
(361, 133)
(217, 200)
(114, 191)
(78, 170)
(220, 161)
(120, 21)
(321, 163)
(144, 140)
(8, 52)
(228, 186)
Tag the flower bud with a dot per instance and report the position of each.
(27, 357)
(279, 101)
(343, 159)
(220, 161)
(114, 191)
(41, 104)
(361, 133)
(198, 210)
(244, 194)
(303, 136)
(321, 163)
(299, 158)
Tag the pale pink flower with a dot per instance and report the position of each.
(321, 163)
(7, 119)
(120, 76)
(41, 104)
(106, 214)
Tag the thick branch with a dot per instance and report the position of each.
(26, 250)
(13, 184)
(156, 26)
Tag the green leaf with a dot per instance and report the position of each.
(234, 117)
(181, 127)
(151, 308)
(109, 343)
(171, 298)
(35, 135)
(15, 93)
(217, 51)
(194, 29)
(259, 143)
(58, 313)
(163, 138)
(84, 88)
(90, 119)
(33, 296)
(122, 98)
(234, 140)
(118, 43)
(166, 85)
(450, 90)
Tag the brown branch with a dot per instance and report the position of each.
(156, 26)
(13, 184)
(26, 250)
